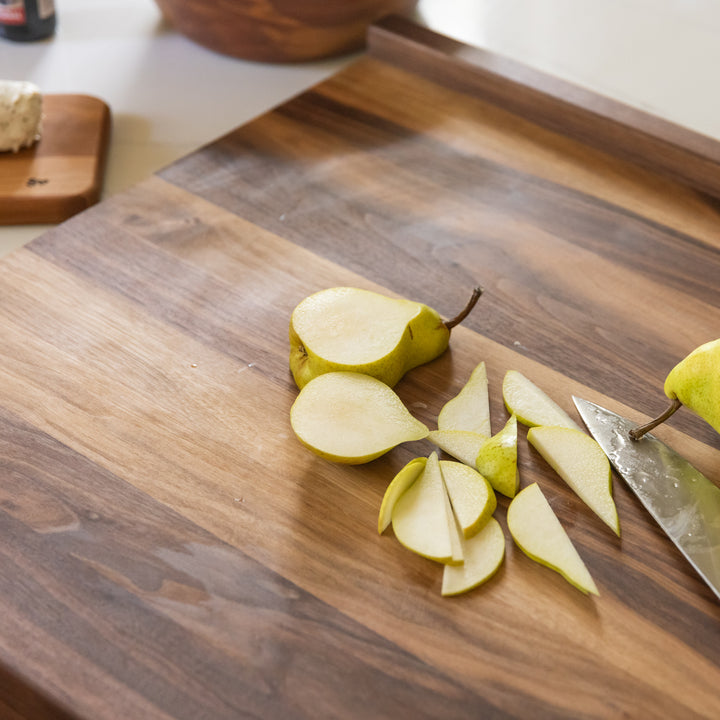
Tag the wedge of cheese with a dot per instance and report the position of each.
(20, 115)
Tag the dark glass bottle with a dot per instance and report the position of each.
(27, 20)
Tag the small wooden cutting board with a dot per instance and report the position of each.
(63, 173)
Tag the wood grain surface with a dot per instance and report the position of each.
(171, 550)
(63, 173)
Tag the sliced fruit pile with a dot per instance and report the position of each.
(348, 347)
(443, 509)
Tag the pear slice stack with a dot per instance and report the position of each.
(419, 516)
(352, 418)
(440, 510)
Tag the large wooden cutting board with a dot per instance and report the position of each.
(171, 551)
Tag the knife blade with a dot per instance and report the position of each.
(682, 500)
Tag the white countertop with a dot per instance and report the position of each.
(661, 56)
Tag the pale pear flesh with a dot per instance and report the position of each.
(398, 485)
(461, 444)
(469, 410)
(352, 418)
(471, 497)
(497, 460)
(538, 533)
(483, 554)
(454, 530)
(581, 463)
(531, 405)
(347, 329)
(419, 518)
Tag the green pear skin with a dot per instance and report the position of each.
(695, 382)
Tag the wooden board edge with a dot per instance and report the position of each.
(570, 110)
(57, 209)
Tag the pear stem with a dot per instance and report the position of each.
(638, 432)
(477, 292)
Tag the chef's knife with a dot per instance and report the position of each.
(684, 502)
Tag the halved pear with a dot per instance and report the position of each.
(398, 485)
(473, 500)
(530, 404)
(345, 329)
(469, 410)
(539, 534)
(483, 555)
(461, 444)
(497, 460)
(419, 518)
(352, 418)
(581, 463)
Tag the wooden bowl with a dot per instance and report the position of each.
(279, 30)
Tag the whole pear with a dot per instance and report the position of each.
(695, 383)
(345, 329)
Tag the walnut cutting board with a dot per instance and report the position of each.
(171, 551)
(63, 173)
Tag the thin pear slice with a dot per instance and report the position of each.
(454, 529)
(473, 500)
(497, 460)
(470, 409)
(530, 404)
(352, 418)
(483, 555)
(419, 518)
(539, 534)
(581, 463)
(461, 444)
(398, 485)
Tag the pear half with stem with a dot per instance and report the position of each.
(695, 383)
(497, 460)
(531, 405)
(483, 555)
(469, 410)
(538, 533)
(471, 496)
(352, 418)
(346, 329)
(420, 517)
(581, 463)
(398, 485)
